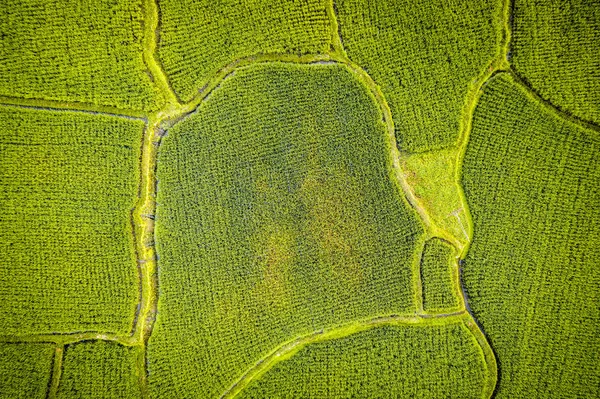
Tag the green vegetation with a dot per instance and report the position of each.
(439, 275)
(99, 370)
(197, 38)
(426, 58)
(432, 178)
(25, 370)
(299, 166)
(74, 50)
(68, 183)
(531, 179)
(393, 361)
(277, 217)
(555, 49)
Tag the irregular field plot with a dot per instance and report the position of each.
(439, 275)
(198, 38)
(432, 177)
(533, 183)
(99, 370)
(393, 361)
(74, 50)
(555, 48)
(277, 217)
(68, 183)
(424, 56)
(25, 370)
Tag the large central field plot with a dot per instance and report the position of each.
(276, 217)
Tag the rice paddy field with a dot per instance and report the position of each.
(299, 199)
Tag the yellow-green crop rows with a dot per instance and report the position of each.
(556, 51)
(532, 182)
(299, 226)
(425, 56)
(68, 182)
(99, 370)
(25, 370)
(200, 37)
(386, 362)
(84, 51)
(439, 276)
(299, 199)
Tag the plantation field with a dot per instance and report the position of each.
(556, 51)
(388, 361)
(25, 370)
(299, 224)
(439, 276)
(425, 57)
(198, 38)
(531, 180)
(79, 51)
(67, 259)
(299, 199)
(99, 370)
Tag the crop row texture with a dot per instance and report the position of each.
(384, 362)
(197, 38)
(98, 370)
(438, 271)
(424, 56)
(555, 48)
(277, 217)
(68, 182)
(75, 50)
(25, 370)
(531, 179)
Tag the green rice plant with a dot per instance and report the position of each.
(77, 51)
(394, 361)
(197, 38)
(98, 369)
(68, 182)
(432, 178)
(532, 180)
(555, 49)
(278, 215)
(425, 56)
(439, 276)
(25, 370)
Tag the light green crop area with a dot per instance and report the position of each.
(197, 38)
(25, 370)
(439, 276)
(277, 217)
(532, 181)
(68, 182)
(555, 49)
(98, 370)
(425, 56)
(75, 50)
(384, 362)
(432, 177)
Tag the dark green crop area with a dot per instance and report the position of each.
(299, 199)
(299, 226)
(68, 182)
(532, 181)
(556, 51)
(25, 370)
(75, 50)
(439, 278)
(198, 38)
(98, 370)
(425, 57)
(386, 362)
